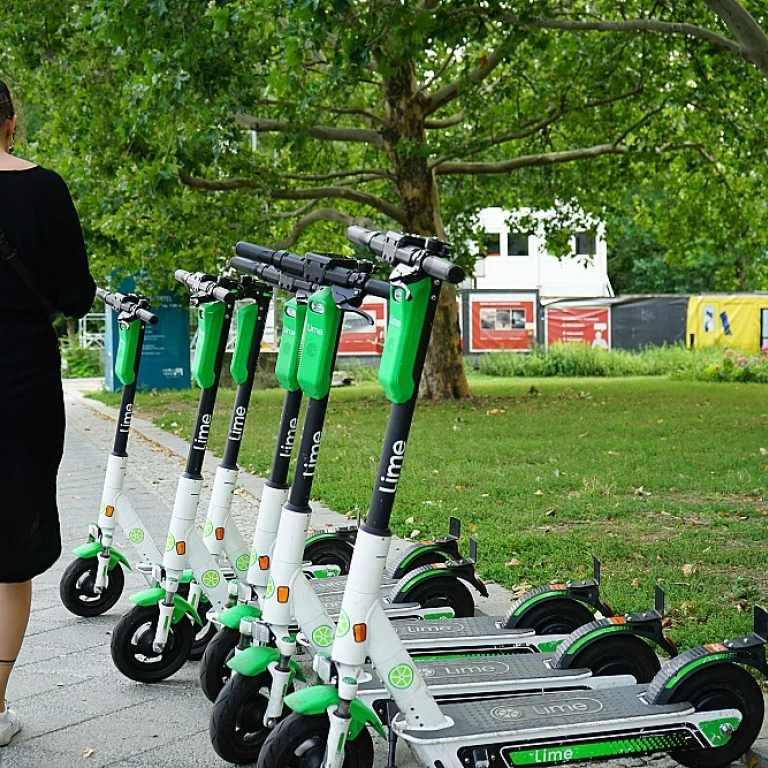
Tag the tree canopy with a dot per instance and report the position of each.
(183, 127)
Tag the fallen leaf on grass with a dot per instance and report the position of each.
(518, 590)
(612, 453)
(641, 491)
(414, 534)
(495, 412)
(764, 451)
(635, 582)
(688, 570)
(513, 563)
(538, 493)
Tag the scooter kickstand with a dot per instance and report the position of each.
(391, 737)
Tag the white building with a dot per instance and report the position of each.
(517, 260)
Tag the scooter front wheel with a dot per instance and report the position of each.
(300, 741)
(237, 727)
(214, 672)
(76, 588)
(132, 650)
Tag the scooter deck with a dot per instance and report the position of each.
(332, 604)
(336, 585)
(519, 719)
(494, 674)
(476, 632)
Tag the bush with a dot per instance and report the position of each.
(676, 361)
(80, 363)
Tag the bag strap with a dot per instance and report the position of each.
(11, 257)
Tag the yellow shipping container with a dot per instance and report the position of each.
(738, 321)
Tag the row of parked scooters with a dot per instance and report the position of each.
(308, 643)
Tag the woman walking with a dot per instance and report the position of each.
(39, 223)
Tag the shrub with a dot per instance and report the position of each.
(80, 363)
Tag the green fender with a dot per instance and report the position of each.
(155, 595)
(230, 617)
(317, 698)
(92, 549)
(256, 659)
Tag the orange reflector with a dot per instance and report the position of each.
(109, 511)
(360, 632)
(264, 562)
(181, 548)
(716, 647)
(219, 534)
(282, 594)
(559, 587)
(617, 620)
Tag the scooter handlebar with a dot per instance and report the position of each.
(394, 247)
(206, 284)
(122, 303)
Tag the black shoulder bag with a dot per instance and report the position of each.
(10, 256)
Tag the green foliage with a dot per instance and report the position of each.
(582, 360)
(80, 363)
(727, 365)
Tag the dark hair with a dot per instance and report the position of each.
(6, 105)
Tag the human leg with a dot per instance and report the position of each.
(15, 601)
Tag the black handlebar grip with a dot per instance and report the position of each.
(242, 264)
(101, 293)
(378, 288)
(182, 276)
(223, 294)
(255, 252)
(147, 316)
(441, 269)
(361, 236)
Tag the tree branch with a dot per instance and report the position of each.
(638, 25)
(751, 37)
(320, 132)
(446, 122)
(322, 214)
(215, 185)
(449, 92)
(543, 158)
(355, 195)
(325, 108)
(374, 172)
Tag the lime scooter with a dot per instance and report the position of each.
(702, 706)
(152, 641)
(94, 581)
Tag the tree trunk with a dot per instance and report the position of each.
(72, 331)
(404, 136)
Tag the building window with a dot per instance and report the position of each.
(492, 243)
(517, 244)
(586, 244)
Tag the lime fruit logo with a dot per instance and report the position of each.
(252, 560)
(401, 676)
(208, 530)
(344, 625)
(242, 563)
(270, 588)
(136, 535)
(211, 579)
(170, 543)
(322, 637)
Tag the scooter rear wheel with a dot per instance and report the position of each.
(132, 650)
(214, 672)
(330, 552)
(720, 687)
(617, 655)
(556, 617)
(300, 741)
(76, 588)
(443, 592)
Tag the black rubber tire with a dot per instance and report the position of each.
(132, 645)
(330, 552)
(299, 741)
(76, 588)
(615, 654)
(214, 672)
(556, 617)
(203, 634)
(236, 728)
(443, 592)
(721, 686)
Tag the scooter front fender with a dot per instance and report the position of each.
(155, 595)
(230, 617)
(318, 698)
(93, 548)
(255, 660)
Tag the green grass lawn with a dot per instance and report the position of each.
(662, 480)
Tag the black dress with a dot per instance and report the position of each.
(39, 219)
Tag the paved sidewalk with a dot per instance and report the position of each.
(76, 708)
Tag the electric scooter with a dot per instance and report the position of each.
(242, 714)
(94, 581)
(702, 706)
(150, 642)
